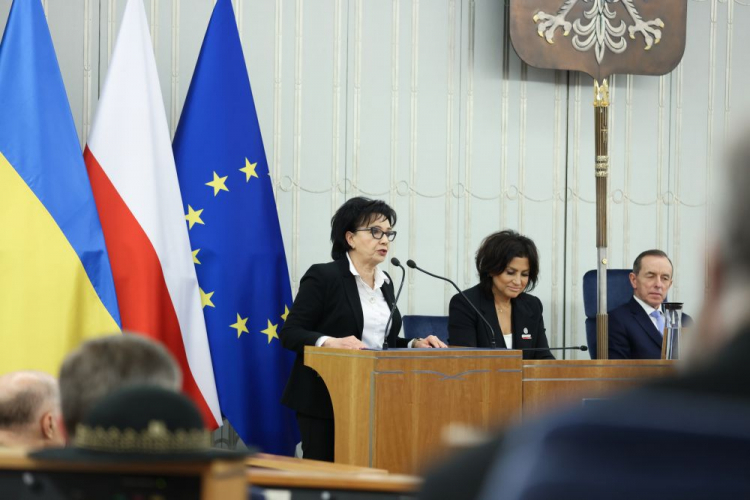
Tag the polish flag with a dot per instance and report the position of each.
(132, 170)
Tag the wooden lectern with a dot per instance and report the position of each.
(391, 406)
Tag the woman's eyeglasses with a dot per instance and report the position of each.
(378, 233)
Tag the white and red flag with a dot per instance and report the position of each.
(132, 170)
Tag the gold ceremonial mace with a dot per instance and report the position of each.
(601, 115)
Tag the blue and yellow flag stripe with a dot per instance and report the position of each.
(56, 285)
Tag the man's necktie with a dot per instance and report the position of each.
(657, 315)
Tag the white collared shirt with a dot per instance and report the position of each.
(649, 310)
(375, 309)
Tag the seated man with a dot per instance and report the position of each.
(30, 411)
(102, 365)
(636, 328)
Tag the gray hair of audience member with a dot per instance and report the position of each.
(103, 365)
(29, 409)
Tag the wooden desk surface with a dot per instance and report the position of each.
(291, 464)
(391, 483)
(275, 471)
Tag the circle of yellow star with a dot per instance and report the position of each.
(218, 184)
(240, 326)
(195, 256)
(249, 170)
(194, 217)
(270, 331)
(286, 313)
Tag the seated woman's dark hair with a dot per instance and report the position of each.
(356, 213)
(496, 252)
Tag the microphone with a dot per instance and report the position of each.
(395, 262)
(491, 332)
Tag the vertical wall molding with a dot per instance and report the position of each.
(154, 26)
(297, 154)
(414, 115)
(357, 97)
(523, 102)
(627, 177)
(336, 90)
(678, 74)
(238, 15)
(86, 111)
(450, 102)
(469, 146)
(610, 144)
(575, 185)
(111, 27)
(504, 118)
(175, 63)
(557, 167)
(394, 143)
(660, 201)
(277, 65)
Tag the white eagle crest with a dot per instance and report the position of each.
(598, 30)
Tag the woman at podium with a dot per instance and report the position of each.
(508, 267)
(343, 304)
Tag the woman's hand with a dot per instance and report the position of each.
(431, 341)
(350, 342)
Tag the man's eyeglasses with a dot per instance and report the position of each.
(378, 233)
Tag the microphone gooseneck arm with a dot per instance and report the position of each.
(395, 262)
(571, 348)
(490, 331)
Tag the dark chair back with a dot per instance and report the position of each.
(619, 291)
(416, 326)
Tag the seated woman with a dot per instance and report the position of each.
(508, 266)
(343, 304)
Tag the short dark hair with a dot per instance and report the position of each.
(654, 252)
(496, 252)
(353, 213)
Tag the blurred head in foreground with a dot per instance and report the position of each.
(100, 366)
(30, 410)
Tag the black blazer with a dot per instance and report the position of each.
(632, 334)
(327, 303)
(466, 329)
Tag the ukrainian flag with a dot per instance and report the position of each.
(56, 285)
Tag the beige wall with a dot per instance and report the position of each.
(424, 103)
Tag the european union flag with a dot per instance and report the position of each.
(236, 239)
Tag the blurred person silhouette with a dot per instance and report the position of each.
(101, 366)
(30, 415)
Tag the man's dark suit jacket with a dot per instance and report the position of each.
(725, 378)
(632, 334)
(467, 329)
(327, 303)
